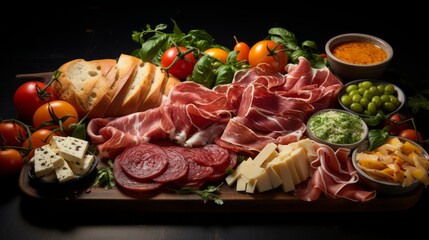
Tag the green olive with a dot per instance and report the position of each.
(346, 100)
(356, 107)
(389, 89)
(351, 88)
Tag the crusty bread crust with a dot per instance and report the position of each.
(112, 88)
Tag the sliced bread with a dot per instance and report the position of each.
(171, 82)
(138, 89)
(125, 67)
(154, 96)
(78, 78)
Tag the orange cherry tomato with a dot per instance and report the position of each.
(270, 52)
(10, 162)
(38, 138)
(218, 53)
(60, 109)
(243, 50)
(412, 135)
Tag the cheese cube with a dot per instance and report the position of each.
(75, 150)
(45, 160)
(81, 169)
(231, 178)
(63, 172)
(57, 143)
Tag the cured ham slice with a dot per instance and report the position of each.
(334, 176)
(260, 106)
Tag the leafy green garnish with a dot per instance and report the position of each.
(377, 137)
(210, 193)
(105, 177)
(294, 50)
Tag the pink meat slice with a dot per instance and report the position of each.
(196, 172)
(143, 161)
(130, 184)
(177, 166)
(212, 155)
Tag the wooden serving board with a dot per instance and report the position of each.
(164, 200)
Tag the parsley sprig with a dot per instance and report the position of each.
(210, 193)
(105, 177)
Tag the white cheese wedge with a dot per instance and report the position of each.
(232, 178)
(299, 158)
(241, 184)
(284, 173)
(45, 160)
(267, 154)
(251, 186)
(64, 173)
(75, 150)
(263, 182)
(250, 171)
(81, 169)
(274, 176)
(310, 148)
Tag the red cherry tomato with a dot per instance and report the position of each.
(412, 135)
(12, 134)
(243, 49)
(30, 96)
(268, 51)
(397, 123)
(10, 162)
(182, 67)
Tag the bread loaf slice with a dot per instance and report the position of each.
(171, 82)
(154, 96)
(77, 80)
(138, 89)
(125, 67)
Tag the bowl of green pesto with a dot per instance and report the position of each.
(337, 128)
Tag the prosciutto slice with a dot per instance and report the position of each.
(334, 176)
(260, 106)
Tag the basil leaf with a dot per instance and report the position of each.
(377, 137)
(309, 45)
(202, 72)
(80, 131)
(152, 46)
(232, 57)
(225, 74)
(373, 121)
(284, 34)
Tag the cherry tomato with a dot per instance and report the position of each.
(60, 109)
(397, 123)
(218, 53)
(183, 67)
(268, 51)
(412, 134)
(243, 49)
(30, 96)
(10, 162)
(12, 134)
(38, 138)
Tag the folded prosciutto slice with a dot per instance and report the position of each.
(334, 176)
(258, 107)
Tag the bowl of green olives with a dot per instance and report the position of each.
(368, 97)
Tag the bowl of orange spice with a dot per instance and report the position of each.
(356, 56)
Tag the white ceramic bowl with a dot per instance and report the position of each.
(347, 71)
(399, 94)
(384, 187)
(337, 129)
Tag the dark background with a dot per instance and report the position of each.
(40, 38)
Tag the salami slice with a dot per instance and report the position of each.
(219, 172)
(177, 166)
(213, 155)
(130, 184)
(143, 161)
(195, 171)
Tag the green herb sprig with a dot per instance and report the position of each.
(210, 193)
(105, 177)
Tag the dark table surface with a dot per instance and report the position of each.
(41, 39)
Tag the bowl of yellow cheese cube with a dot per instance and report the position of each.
(396, 167)
(64, 161)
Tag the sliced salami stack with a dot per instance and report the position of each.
(146, 166)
